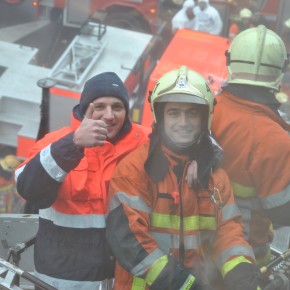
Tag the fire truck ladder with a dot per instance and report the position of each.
(80, 56)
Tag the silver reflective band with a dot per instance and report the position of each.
(18, 171)
(62, 284)
(50, 166)
(171, 241)
(135, 202)
(238, 250)
(78, 221)
(142, 267)
(277, 199)
(230, 211)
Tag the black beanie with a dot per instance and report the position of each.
(102, 85)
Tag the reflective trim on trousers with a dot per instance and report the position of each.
(79, 221)
(61, 284)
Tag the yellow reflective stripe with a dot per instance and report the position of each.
(228, 266)
(188, 283)
(164, 221)
(243, 191)
(156, 269)
(6, 187)
(207, 223)
(138, 283)
(234, 251)
(190, 223)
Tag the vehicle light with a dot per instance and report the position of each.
(152, 11)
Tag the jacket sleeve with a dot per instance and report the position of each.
(270, 170)
(39, 178)
(128, 232)
(229, 247)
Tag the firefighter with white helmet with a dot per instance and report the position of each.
(254, 136)
(245, 13)
(184, 18)
(244, 22)
(250, 61)
(207, 18)
(156, 219)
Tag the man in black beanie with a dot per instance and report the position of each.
(67, 177)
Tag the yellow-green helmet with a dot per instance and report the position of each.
(258, 57)
(183, 85)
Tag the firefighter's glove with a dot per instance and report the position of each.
(243, 276)
(174, 277)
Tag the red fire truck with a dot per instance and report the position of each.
(140, 15)
(128, 14)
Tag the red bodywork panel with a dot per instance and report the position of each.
(147, 8)
(202, 52)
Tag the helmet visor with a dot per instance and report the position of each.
(182, 98)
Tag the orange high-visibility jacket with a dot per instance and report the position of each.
(257, 159)
(148, 223)
(70, 186)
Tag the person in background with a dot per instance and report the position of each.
(207, 18)
(244, 23)
(286, 34)
(159, 225)
(184, 18)
(10, 201)
(259, 18)
(67, 177)
(247, 125)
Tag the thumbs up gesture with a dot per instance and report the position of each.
(91, 132)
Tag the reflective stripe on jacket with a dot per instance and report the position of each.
(145, 223)
(257, 159)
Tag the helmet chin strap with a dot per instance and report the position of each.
(187, 145)
(178, 147)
